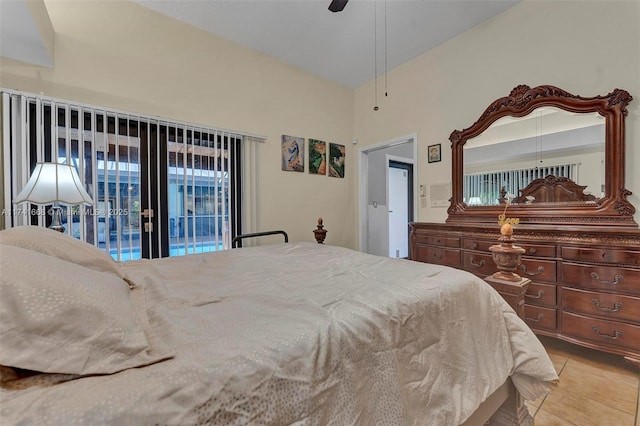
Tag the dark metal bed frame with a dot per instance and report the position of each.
(239, 238)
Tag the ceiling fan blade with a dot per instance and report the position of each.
(337, 5)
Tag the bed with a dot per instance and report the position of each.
(296, 333)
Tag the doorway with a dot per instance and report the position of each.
(373, 193)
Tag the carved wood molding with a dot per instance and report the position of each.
(522, 96)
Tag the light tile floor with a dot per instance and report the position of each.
(595, 389)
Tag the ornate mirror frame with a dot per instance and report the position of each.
(612, 209)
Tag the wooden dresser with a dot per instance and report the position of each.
(582, 250)
(585, 281)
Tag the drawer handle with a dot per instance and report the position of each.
(533, 251)
(532, 274)
(477, 264)
(616, 306)
(616, 334)
(540, 317)
(616, 279)
(438, 255)
(538, 296)
(474, 245)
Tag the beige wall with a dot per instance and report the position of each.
(586, 48)
(121, 55)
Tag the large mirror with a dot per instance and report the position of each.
(553, 156)
(514, 151)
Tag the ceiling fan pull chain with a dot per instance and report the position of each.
(375, 56)
(385, 49)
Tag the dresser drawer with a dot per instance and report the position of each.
(602, 331)
(628, 257)
(614, 306)
(439, 255)
(538, 250)
(478, 263)
(536, 269)
(479, 245)
(439, 240)
(541, 294)
(608, 278)
(539, 317)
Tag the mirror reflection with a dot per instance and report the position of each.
(513, 151)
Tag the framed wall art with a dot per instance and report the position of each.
(434, 153)
(317, 157)
(292, 153)
(336, 160)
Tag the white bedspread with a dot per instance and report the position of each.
(303, 333)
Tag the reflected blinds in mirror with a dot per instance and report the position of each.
(485, 189)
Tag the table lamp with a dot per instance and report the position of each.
(53, 183)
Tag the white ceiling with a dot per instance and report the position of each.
(336, 46)
(304, 33)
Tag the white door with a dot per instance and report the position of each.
(399, 185)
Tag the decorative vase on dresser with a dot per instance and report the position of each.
(582, 252)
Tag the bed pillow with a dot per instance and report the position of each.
(62, 246)
(59, 317)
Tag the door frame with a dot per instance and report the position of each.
(363, 181)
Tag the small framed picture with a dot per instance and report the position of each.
(317, 157)
(434, 153)
(336, 160)
(292, 153)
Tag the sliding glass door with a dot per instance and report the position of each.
(159, 188)
(109, 163)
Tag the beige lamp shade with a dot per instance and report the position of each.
(54, 183)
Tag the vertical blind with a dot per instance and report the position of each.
(484, 188)
(190, 175)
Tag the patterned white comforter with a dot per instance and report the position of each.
(302, 333)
